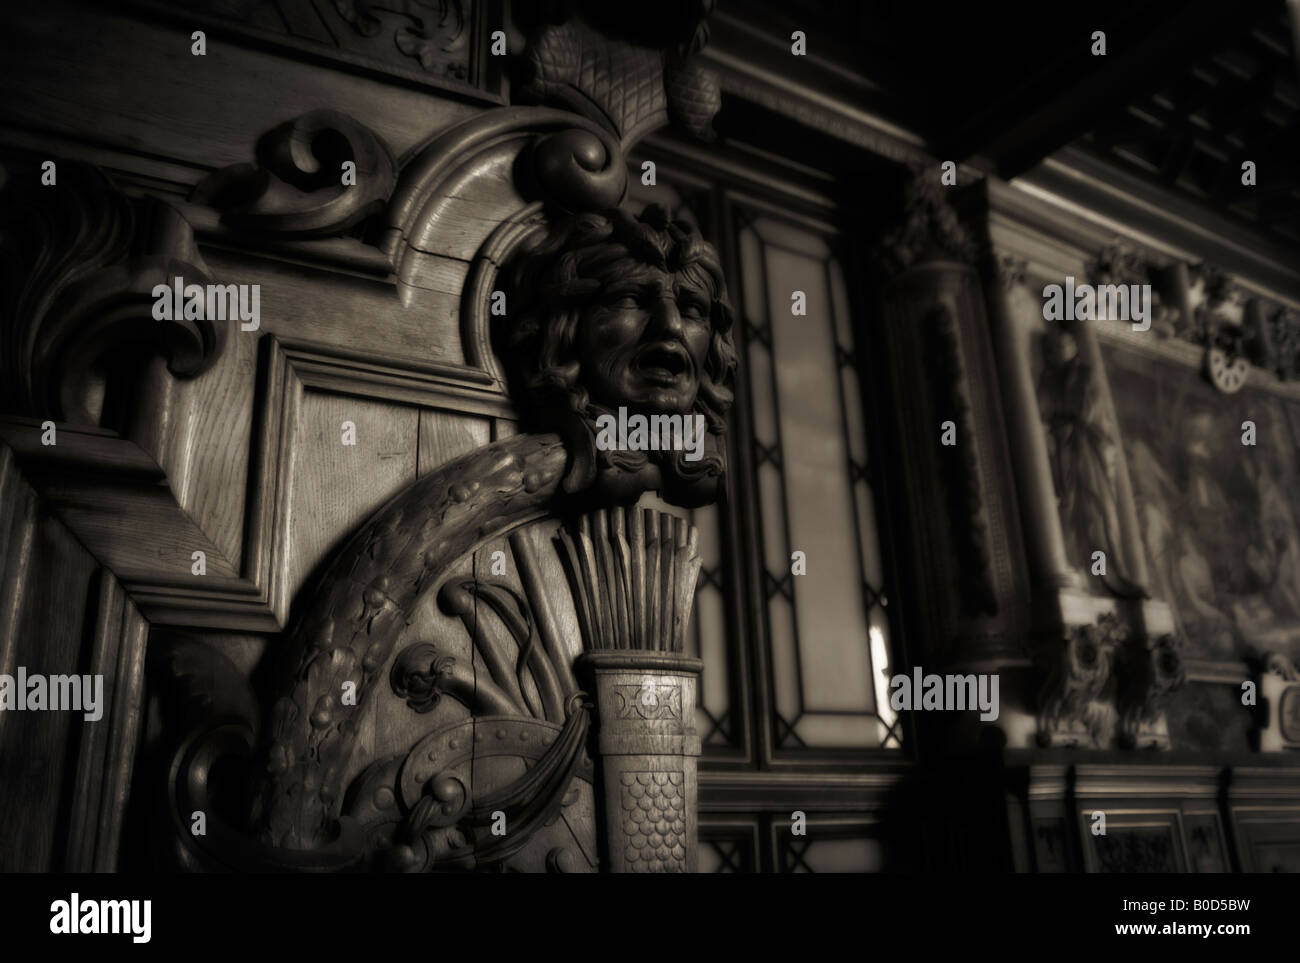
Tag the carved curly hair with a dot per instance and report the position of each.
(550, 285)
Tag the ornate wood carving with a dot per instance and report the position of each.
(1077, 671)
(523, 200)
(80, 261)
(633, 578)
(632, 73)
(437, 40)
(1147, 670)
(361, 604)
(365, 596)
(929, 228)
(298, 187)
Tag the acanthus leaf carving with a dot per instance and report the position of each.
(928, 228)
(80, 263)
(624, 68)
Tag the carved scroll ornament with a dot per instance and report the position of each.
(608, 311)
(79, 260)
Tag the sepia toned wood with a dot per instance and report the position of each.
(199, 431)
(126, 78)
(106, 754)
(444, 435)
(340, 482)
(383, 575)
(45, 591)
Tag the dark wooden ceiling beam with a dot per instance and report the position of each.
(1062, 99)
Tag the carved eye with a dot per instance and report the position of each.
(693, 311)
(622, 302)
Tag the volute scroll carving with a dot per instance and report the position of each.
(79, 261)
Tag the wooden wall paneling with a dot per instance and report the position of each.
(334, 310)
(126, 78)
(1146, 811)
(47, 580)
(335, 486)
(107, 752)
(206, 424)
(444, 435)
(1264, 816)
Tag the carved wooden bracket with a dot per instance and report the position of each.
(80, 262)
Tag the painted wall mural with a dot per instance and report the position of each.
(1218, 517)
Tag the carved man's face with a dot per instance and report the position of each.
(642, 342)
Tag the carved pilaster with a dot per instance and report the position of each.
(1044, 540)
(936, 335)
(633, 579)
(648, 750)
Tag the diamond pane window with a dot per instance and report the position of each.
(827, 634)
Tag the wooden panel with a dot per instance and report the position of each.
(362, 316)
(335, 486)
(121, 81)
(217, 408)
(107, 750)
(445, 435)
(102, 517)
(47, 577)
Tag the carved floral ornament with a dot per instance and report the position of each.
(1200, 303)
(1100, 681)
(607, 311)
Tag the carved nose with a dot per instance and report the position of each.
(668, 320)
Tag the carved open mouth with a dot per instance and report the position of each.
(664, 362)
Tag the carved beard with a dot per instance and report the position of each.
(621, 476)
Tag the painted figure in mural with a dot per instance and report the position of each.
(1084, 460)
(1181, 572)
(1220, 531)
(616, 311)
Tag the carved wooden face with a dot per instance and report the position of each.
(643, 340)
